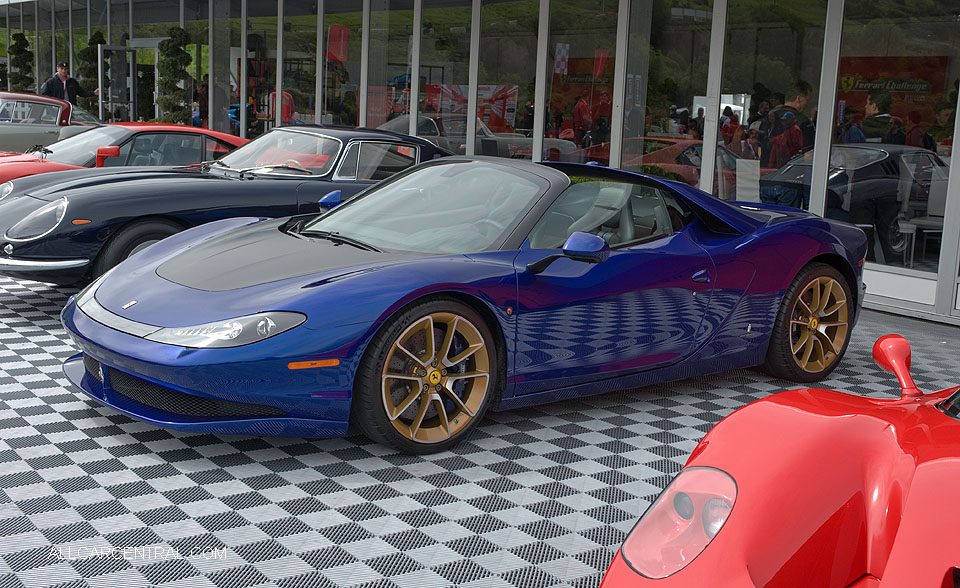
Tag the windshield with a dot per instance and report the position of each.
(841, 157)
(455, 207)
(80, 149)
(314, 154)
(79, 115)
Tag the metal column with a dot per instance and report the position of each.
(321, 65)
(540, 81)
(619, 83)
(473, 74)
(278, 101)
(718, 33)
(414, 75)
(826, 106)
(244, 98)
(364, 63)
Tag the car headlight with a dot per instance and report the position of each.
(5, 189)
(39, 223)
(230, 332)
(680, 524)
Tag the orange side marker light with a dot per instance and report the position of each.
(318, 363)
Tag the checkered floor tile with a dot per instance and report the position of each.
(537, 497)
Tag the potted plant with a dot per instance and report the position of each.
(172, 70)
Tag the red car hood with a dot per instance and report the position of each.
(17, 165)
(832, 490)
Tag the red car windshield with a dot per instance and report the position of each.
(284, 151)
(80, 149)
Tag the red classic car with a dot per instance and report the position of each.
(120, 144)
(812, 488)
(28, 119)
(676, 155)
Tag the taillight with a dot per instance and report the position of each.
(680, 524)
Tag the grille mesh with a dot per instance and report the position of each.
(93, 367)
(174, 402)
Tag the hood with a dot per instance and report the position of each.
(17, 156)
(260, 254)
(52, 186)
(232, 268)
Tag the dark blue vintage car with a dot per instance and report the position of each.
(72, 226)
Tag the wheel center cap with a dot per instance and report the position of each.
(814, 323)
(434, 377)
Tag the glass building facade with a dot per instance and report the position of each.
(844, 108)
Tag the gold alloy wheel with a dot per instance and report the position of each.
(435, 378)
(818, 324)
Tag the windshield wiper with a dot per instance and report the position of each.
(298, 168)
(336, 237)
(205, 165)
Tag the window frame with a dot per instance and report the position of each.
(627, 245)
(359, 143)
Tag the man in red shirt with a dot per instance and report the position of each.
(788, 143)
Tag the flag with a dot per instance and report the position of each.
(600, 57)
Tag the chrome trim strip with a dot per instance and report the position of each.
(10, 264)
(90, 307)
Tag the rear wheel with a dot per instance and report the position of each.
(427, 378)
(813, 326)
(130, 240)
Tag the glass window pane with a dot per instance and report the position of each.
(391, 34)
(896, 100)
(226, 66)
(505, 94)
(772, 58)
(379, 161)
(444, 71)
(580, 67)
(261, 67)
(299, 62)
(342, 21)
(666, 84)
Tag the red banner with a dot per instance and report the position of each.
(600, 57)
(338, 41)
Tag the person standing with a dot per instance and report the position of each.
(788, 143)
(895, 134)
(64, 87)
(582, 121)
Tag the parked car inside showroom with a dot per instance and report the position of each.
(67, 227)
(121, 144)
(449, 131)
(889, 190)
(461, 285)
(28, 119)
(811, 488)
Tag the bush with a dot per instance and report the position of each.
(87, 69)
(172, 68)
(21, 58)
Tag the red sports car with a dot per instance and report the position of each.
(812, 488)
(135, 143)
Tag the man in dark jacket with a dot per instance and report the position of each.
(64, 87)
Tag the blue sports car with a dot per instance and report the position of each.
(462, 285)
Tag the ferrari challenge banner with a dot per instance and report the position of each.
(913, 83)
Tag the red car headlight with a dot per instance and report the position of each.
(680, 524)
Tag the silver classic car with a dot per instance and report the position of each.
(27, 120)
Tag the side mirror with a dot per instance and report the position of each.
(892, 354)
(104, 152)
(331, 199)
(579, 246)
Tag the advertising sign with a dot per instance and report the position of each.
(913, 83)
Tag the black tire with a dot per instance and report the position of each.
(368, 410)
(782, 361)
(123, 244)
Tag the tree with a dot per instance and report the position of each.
(3, 76)
(21, 58)
(87, 68)
(174, 59)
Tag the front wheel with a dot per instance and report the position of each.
(427, 378)
(130, 240)
(813, 327)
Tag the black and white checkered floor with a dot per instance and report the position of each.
(538, 497)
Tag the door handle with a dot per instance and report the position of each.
(702, 277)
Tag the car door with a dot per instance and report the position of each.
(24, 124)
(364, 163)
(639, 309)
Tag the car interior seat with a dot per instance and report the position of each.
(610, 218)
